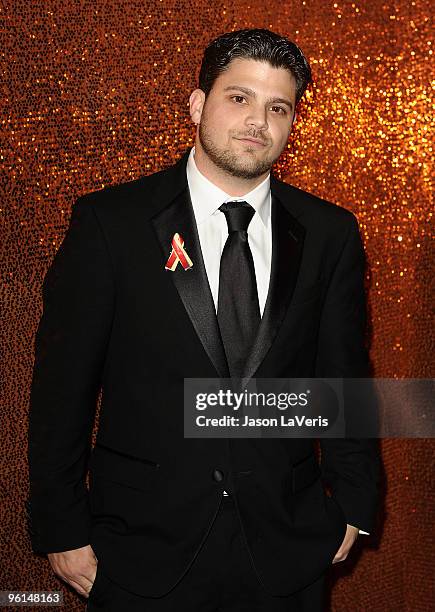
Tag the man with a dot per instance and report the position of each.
(268, 282)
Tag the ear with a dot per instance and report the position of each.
(196, 104)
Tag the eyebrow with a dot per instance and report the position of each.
(251, 92)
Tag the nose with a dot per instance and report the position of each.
(257, 117)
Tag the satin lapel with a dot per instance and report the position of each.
(287, 242)
(192, 285)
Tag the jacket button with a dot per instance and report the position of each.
(218, 475)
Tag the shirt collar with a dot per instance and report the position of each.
(207, 197)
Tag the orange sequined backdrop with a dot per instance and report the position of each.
(95, 93)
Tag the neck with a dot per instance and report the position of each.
(232, 185)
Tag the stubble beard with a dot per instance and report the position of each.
(229, 161)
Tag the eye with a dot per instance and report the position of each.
(280, 110)
(238, 98)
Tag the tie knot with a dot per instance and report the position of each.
(238, 215)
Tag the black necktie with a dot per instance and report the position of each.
(238, 309)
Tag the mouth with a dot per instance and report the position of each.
(255, 142)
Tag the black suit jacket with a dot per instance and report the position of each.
(115, 319)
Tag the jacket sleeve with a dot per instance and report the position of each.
(70, 347)
(350, 466)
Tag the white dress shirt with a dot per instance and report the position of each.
(213, 229)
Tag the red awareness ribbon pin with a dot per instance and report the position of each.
(178, 254)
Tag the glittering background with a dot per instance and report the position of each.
(95, 93)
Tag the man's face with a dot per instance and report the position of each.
(246, 119)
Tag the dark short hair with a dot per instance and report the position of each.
(258, 44)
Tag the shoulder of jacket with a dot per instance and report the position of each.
(309, 207)
(126, 191)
